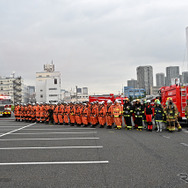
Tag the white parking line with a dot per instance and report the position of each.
(55, 163)
(50, 139)
(184, 144)
(64, 128)
(58, 129)
(57, 133)
(53, 147)
(10, 126)
(166, 137)
(15, 130)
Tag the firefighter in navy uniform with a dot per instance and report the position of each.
(159, 115)
(138, 111)
(127, 113)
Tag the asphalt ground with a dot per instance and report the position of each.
(39, 155)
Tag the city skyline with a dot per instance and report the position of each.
(97, 44)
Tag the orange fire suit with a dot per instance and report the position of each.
(109, 116)
(60, 114)
(117, 112)
(78, 116)
(38, 113)
(102, 116)
(55, 115)
(66, 115)
(72, 115)
(85, 113)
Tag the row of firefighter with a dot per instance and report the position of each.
(135, 115)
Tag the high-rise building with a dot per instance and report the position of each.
(160, 79)
(132, 83)
(145, 78)
(185, 77)
(187, 39)
(48, 85)
(172, 73)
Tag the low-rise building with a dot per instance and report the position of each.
(134, 92)
(13, 87)
(48, 85)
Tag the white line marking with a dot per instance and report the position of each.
(166, 137)
(57, 133)
(56, 129)
(15, 130)
(55, 163)
(184, 144)
(46, 139)
(53, 147)
(10, 126)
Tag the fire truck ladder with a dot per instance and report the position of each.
(183, 91)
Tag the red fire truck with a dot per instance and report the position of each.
(179, 95)
(5, 106)
(106, 97)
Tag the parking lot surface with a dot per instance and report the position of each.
(40, 155)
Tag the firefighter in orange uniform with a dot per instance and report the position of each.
(46, 113)
(55, 114)
(19, 112)
(66, 114)
(33, 113)
(78, 114)
(117, 113)
(22, 113)
(109, 114)
(37, 113)
(60, 113)
(29, 112)
(25, 112)
(72, 114)
(102, 114)
(93, 115)
(85, 113)
(42, 113)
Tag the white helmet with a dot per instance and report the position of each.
(109, 101)
(117, 101)
(148, 101)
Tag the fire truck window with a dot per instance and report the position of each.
(55, 81)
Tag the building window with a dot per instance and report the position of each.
(41, 96)
(55, 81)
(41, 90)
(52, 95)
(40, 75)
(47, 75)
(2, 88)
(52, 88)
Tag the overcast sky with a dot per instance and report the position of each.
(94, 43)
